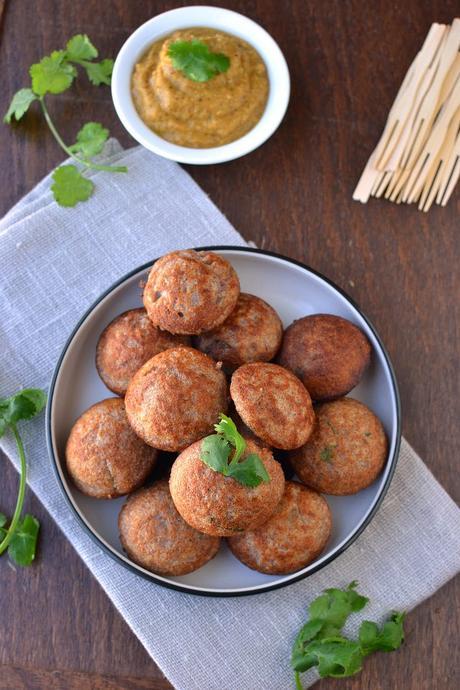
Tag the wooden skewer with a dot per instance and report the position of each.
(434, 178)
(405, 98)
(448, 167)
(416, 121)
(453, 181)
(430, 104)
(396, 156)
(398, 182)
(377, 183)
(366, 182)
(449, 82)
(399, 188)
(435, 140)
(393, 182)
(450, 174)
(386, 178)
(417, 158)
(370, 175)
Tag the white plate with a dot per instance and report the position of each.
(294, 291)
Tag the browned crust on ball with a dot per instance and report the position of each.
(346, 451)
(252, 333)
(175, 398)
(273, 403)
(245, 431)
(189, 292)
(105, 458)
(126, 344)
(329, 354)
(154, 535)
(292, 537)
(219, 505)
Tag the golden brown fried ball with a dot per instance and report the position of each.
(273, 403)
(292, 537)
(175, 398)
(252, 333)
(189, 292)
(328, 353)
(154, 535)
(346, 450)
(126, 344)
(105, 458)
(219, 505)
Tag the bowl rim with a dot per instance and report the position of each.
(255, 34)
(258, 589)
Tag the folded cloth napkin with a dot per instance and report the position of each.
(55, 262)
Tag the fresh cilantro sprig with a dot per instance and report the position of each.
(216, 451)
(195, 60)
(320, 642)
(23, 544)
(389, 637)
(55, 74)
(20, 537)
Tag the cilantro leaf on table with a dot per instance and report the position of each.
(20, 537)
(90, 139)
(79, 47)
(81, 51)
(195, 60)
(53, 74)
(19, 104)
(23, 544)
(100, 72)
(320, 642)
(70, 186)
(216, 450)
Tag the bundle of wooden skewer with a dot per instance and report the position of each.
(418, 156)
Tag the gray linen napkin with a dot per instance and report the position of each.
(55, 262)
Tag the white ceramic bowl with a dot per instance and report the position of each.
(294, 290)
(217, 18)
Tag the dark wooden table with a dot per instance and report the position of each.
(57, 628)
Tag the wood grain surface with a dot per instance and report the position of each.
(293, 195)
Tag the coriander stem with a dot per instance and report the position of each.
(86, 163)
(238, 452)
(83, 63)
(21, 493)
(298, 684)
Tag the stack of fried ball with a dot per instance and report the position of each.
(198, 345)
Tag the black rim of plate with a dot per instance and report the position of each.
(392, 460)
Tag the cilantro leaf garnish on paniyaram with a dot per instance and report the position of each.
(195, 60)
(216, 451)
